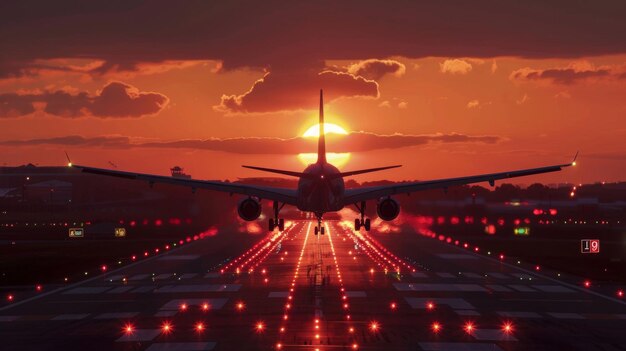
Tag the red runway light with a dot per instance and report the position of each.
(436, 327)
(10, 297)
(351, 330)
(501, 256)
(38, 287)
(200, 327)
(620, 293)
(355, 346)
(240, 306)
(587, 283)
(430, 305)
(507, 327)
(537, 268)
(469, 327)
(393, 306)
(205, 306)
(374, 326)
(260, 327)
(129, 328)
(183, 307)
(103, 268)
(166, 327)
(279, 346)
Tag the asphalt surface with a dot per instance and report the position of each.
(338, 291)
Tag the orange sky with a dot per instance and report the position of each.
(515, 112)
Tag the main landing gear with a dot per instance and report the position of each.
(319, 228)
(277, 222)
(363, 222)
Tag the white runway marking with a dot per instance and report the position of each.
(140, 335)
(455, 303)
(214, 303)
(178, 257)
(553, 288)
(120, 289)
(117, 315)
(70, 317)
(445, 275)
(517, 314)
(458, 346)
(565, 315)
(438, 287)
(279, 294)
(418, 275)
(458, 256)
(199, 288)
(182, 346)
(492, 335)
(88, 290)
(522, 288)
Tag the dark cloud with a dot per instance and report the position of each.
(116, 99)
(376, 69)
(294, 90)
(278, 33)
(565, 76)
(353, 142)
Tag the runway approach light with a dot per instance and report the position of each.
(436, 327)
(507, 327)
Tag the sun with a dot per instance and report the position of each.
(314, 131)
(337, 159)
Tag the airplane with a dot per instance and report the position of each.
(321, 187)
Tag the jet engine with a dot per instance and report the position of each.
(388, 209)
(249, 209)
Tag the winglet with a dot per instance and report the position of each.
(574, 160)
(69, 162)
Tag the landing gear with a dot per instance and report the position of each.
(362, 222)
(319, 228)
(277, 222)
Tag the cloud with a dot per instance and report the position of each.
(455, 66)
(522, 100)
(353, 142)
(375, 69)
(572, 74)
(295, 90)
(116, 99)
(256, 34)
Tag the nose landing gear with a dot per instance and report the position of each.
(319, 228)
(277, 222)
(362, 222)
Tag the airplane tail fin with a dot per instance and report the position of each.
(321, 141)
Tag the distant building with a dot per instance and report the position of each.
(177, 172)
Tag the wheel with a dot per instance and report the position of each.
(281, 224)
(367, 225)
(272, 225)
(357, 224)
(322, 230)
(316, 229)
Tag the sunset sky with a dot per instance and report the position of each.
(444, 88)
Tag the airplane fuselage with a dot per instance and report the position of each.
(320, 192)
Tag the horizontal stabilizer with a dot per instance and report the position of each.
(360, 171)
(280, 171)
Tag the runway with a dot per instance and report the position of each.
(295, 290)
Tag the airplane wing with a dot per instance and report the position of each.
(353, 196)
(284, 195)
